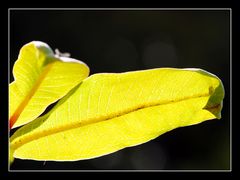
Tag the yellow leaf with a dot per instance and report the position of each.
(10, 156)
(108, 112)
(41, 78)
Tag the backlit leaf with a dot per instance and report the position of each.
(41, 78)
(108, 112)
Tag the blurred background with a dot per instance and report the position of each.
(118, 41)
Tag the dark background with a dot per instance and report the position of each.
(118, 41)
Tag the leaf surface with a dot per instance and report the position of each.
(108, 112)
(41, 78)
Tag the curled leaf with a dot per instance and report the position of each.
(108, 112)
(41, 78)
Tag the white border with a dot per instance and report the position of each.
(230, 89)
(133, 9)
(120, 9)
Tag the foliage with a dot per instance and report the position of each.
(104, 112)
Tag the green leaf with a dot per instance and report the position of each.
(108, 112)
(41, 78)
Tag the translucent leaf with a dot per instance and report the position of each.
(41, 78)
(108, 112)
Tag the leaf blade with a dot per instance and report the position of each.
(103, 128)
(33, 70)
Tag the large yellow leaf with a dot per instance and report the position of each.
(108, 112)
(41, 78)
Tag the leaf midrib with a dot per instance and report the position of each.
(27, 138)
(29, 96)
